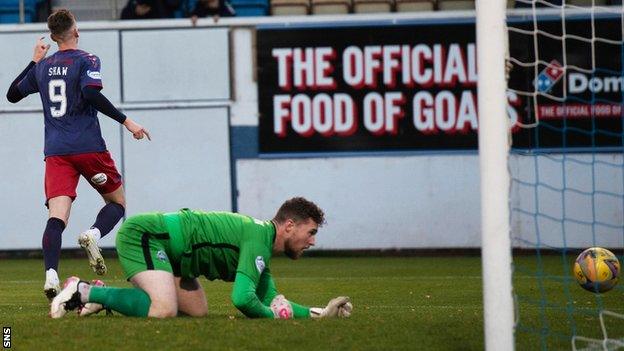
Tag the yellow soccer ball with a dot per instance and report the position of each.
(597, 270)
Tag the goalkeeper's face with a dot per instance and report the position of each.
(302, 236)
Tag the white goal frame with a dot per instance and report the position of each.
(495, 180)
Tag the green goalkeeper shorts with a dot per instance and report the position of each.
(143, 244)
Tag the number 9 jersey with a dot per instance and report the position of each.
(71, 123)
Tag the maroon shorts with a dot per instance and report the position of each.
(62, 174)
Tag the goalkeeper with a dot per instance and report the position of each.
(163, 254)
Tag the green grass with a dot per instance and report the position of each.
(417, 303)
(552, 306)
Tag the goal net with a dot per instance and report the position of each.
(565, 98)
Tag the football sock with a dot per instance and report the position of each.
(107, 218)
(127, 301)
(51, 242)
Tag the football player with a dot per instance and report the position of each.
(69, 84)
(164, 254)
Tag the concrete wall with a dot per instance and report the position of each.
(203, 116)
(374, 202)
(180, 93)
(572, 200)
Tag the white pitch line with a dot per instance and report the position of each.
(385, 278)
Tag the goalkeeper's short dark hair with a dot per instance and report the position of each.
(299, 209)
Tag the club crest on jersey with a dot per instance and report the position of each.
(162, 256)
(93, 59)
(260, 264)
(94, 74)
(99, 179)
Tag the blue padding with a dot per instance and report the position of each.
(261, 3)
(15, 3)
(11, 16)
(9, 10)
(244, 10)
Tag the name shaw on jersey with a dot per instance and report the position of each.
(57, 71)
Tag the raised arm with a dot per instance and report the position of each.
(14, 94)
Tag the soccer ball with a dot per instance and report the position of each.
(597, 270)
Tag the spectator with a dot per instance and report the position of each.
(214, 8)
(172, 8)
(149, 9)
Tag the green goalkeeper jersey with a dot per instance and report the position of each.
(231, 247)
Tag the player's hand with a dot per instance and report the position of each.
(138, 132)
(41, 49)
(282, 309)
(508, 68)
(345, 310)
(337, 307)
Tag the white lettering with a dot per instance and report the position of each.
(612, 84)
(281, 114)
(421, 54)
(472, 63)
(578, 83)
(303, 66)
(57, 71)
(353, 66)
(323, 67)
(445, 110)
(454, 69)
(371, 64)
(443, 113)
(423, 113)
(438, 64)
(374, 113)
(301, 114)
(393, 110)
(284, 58)
(344, 115)
(467, 112)
(322, 113)
(405, 68)
(322, 116)
(390, 63)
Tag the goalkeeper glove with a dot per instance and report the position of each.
(282, 309)
(337, 307)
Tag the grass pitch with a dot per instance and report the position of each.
(416, 303)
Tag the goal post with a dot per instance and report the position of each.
(495, 180)
(559, 187)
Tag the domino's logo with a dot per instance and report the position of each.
(548, 77)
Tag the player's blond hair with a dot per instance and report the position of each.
(59, 24)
